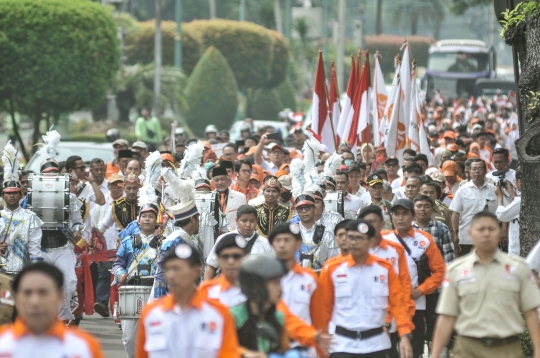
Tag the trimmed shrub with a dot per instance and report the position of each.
(286, 94)
(212, 93)
(266, 105)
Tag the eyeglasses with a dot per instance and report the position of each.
(246, 171)
(82, 167)
(226, 257)
(303, 208)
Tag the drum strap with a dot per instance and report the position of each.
(79, 190)
(251, 243)
(318, 234)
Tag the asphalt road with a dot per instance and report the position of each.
(108, 334)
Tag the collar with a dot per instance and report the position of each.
(104, 184)
(223, 283)
(410, 233)
(297, 269)
(430, 223)
(383, 243)
(147, 238)
(499, 257)
(247, 237)
(196, 301)
(14, 211)
(348, 196)
(305, 229)
(20, 329)
(350, 261)
(268, 206)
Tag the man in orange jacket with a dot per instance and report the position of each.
(185, 323)
(37, 332)
(426, 264)
(358, 295)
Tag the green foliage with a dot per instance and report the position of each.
(257, 56)
(57, 55)
(286, 94)
(212, 93)
(266, 105)
(512, 18)
(459, 7)
(534, 104)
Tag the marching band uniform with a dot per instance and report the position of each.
(20, 228)
(268, 217)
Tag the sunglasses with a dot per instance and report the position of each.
(235, 257)
(301, 209)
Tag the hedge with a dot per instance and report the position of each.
(257, 56)
(266, 105)
(212, 93)
(286, 94)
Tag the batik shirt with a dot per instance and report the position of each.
(23, 236)
(267, 218)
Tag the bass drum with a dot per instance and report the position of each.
(333, 202)
(208, 205)
(48, 197)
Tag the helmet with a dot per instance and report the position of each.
(112, 134)
(254, 272)
(210, 129)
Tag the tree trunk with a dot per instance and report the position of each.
(16, 130)
(157, 61)
(528, 145)
(378, 20)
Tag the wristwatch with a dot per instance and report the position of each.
(408, 336)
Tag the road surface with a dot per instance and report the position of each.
(107, 333)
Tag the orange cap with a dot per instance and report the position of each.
(207, 145)
(293, 153)
(167, 157)
(449, 134)
(452, 147)
(449, 168)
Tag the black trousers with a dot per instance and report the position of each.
(393, 352)
(430, 315)
(379, 354)
(418, 333)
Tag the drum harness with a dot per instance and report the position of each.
(137, 243)
(317, 237)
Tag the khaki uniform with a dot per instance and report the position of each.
(386, 208)
(443, 214)
(487, 301)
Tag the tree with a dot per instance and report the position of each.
(211, 93)
(266, 105)
(460, 6)
(415, 11)
(56, 56)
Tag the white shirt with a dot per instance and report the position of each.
(297, 288)
(468, 201)
(87, 194)
(99, 212)
(351, 204)
(396, 183)
(365, 198)
(533, 258)
(510, 213)
(271, 167)
(261, 247)
(510, 177)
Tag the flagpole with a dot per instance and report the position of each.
(330, 108)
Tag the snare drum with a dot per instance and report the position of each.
(132, 299)
(333, 202)
(48, 197)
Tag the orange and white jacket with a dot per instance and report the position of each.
(221, 290)
(397, 256)
(421, 242)
(360, 298)
(59, 342)
(302, 294)
(206, 329)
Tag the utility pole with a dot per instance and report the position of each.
(341, 40)
(242, 10)
(178, 35)
(157, 61)
(288, 18)
(277, 16)
(212, 9)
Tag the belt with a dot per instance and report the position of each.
(358, 334)
(494, 342)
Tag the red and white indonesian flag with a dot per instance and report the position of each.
(320, 122)
(405, 75)
(342, 130)
(389, 108)
(396, 137)
(380, 98)
(333, 99)
(417, 133)
(364, 121)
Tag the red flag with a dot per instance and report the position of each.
(320, 123)
(333, 101)
(360, 126)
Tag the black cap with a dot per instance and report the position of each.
(404, 203)
(230, 240)
(422, 157)
(216, 171)
(183, 251)
(226, 164)
(285, 228)
(374, 179)
(371, 209)
(352, 168)
(125, 153)
(362, 226)
(391, 159)
(304, 199)
(331, 181)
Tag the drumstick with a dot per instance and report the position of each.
(7, 230)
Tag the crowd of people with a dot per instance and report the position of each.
(276, 246)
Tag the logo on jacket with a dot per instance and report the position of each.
(380, 278)
(209, 327)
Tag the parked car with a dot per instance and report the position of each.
(86, 150)
(281, 127)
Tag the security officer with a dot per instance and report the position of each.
(358, 293)
(483, 296)
(375, 189)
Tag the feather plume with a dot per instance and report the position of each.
(147, 195)
(11, 163)
(152, 167)
(192, 159)
(332, 165)
(297, 174)
(183, 189)
(47, 149)
(311, 153)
